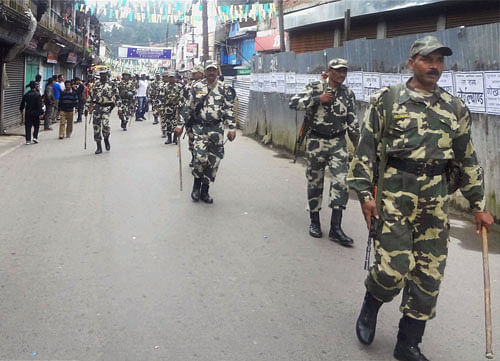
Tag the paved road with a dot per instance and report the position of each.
(103, 258)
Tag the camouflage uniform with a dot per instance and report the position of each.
(127, 92)
(412, 235)
(189, 129)
(216, 108)
(168, 102)
(103, 97)
(326, 143)
(153, 95)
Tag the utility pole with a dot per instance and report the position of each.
(204, 15)
(282, 26)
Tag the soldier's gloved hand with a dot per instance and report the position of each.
(231, 135)
(483, 219)
(178, 131)
(369, 209)
(326, 98)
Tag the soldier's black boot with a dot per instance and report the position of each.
(336, 233)
(106, 144)
(205, 197)
(99, 147)
(367, 320)
(192, 160)
(409, 336)
(315, 226)
(175, 138)
(169, 138)
(195, 194)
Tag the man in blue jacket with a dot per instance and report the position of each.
(67, 103)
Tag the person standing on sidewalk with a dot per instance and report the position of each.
(413, 133)
(67, 103)
(80, 87)
(49, 100)
(57, 93)
(331, 108)
(32, 101)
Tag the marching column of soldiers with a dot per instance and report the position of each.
(414, 150)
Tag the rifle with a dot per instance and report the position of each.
(301, 135)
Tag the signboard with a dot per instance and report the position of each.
(446, 82)
(470, 87)
(51, 58)
(71, 58)
(268, 40)
(492, 87)
(192, 50)
(371, 83)
(144, 53)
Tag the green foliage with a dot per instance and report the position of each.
(138, 33)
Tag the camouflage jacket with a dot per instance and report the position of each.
(103, 94)
(127, 90)
(215, 105)
(422, 129)
(332, 118)
(153, 89)
(168, 97)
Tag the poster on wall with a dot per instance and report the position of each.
(446, 82)
(388, 79)
(280, 82)
(492, 88)
(354, 81)
(405, 77)
(301, 81)
(470, 87)
(371, 83)
(290, 83)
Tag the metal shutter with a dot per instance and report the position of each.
(14, 93)
(412, 23)
(311, 39)
(242, 88)
(472, 15)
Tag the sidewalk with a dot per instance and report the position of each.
(13, 138)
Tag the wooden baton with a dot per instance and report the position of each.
(487, 295)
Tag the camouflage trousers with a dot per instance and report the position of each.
(190, 134)
(321, 153)
(168, 122)
(127, 108)
(412, 242)
(208, 151)
(100, 122)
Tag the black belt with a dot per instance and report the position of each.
(416, 167)
(327, 136)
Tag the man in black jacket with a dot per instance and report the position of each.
(81, 101)
(67, 103)
(32, 101)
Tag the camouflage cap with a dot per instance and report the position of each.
(197, 69)
(428, 44)
(338, 63)
(211, 64)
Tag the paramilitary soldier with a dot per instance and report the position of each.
(102, 99)
(153, 94)
(330, 113)
(196, 75)
(411, 135)
(126, 91)
(210, 104)
(169, 100)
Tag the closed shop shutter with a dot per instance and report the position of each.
(242, 88)
(412, 23)
(363, 28)
(311, 39)
(480, 13)
(14, 93)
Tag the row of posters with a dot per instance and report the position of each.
(479, 90)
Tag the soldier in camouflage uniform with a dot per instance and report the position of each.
(102, 99)
(210, 105)
(421, 127)
(153, 94)
(127, 91)
(330, 113)
(168, 101)
(196, 75)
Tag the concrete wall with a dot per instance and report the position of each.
(270, 118)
